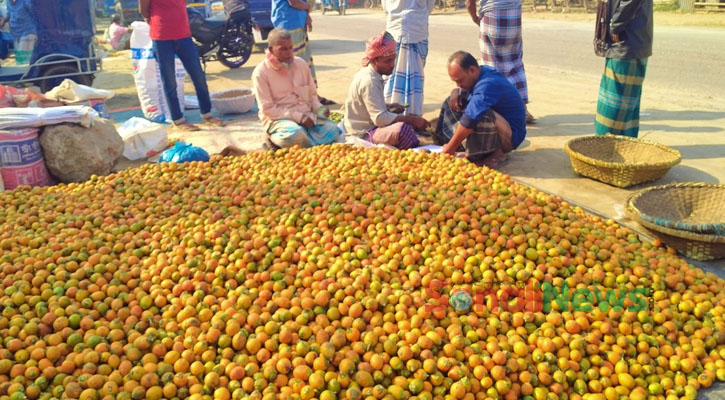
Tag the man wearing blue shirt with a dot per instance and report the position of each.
(22, 29)
(486, 111)
(294, 17)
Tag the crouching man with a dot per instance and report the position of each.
(366, 114)
(287, 99)
(486, 112)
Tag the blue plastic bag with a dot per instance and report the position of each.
(184, 152)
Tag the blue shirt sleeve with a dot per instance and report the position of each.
(484, 96)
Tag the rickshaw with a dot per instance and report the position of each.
(333, 5)
(64, 48)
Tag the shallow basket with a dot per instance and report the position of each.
(234, 101)
(691, 206)
(619, 160)
(681, 200)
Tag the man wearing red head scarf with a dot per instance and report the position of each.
(366, 114)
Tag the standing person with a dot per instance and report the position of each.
(22, 29)
(294, 17)
(499, 23)
(366, 113)
(289, 107)
(624, 37)
(407, 22)
(171, 35)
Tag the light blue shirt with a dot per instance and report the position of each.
(287, 17)
(22, 21)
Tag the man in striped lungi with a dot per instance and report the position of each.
(499, 23)
(407, 21)
(624, 37)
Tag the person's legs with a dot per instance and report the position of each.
(301, 48)
(399, 135)
(405, 84)
(164, 53)
(324, 132)
(287, 133)
(24, 49)
(619, 98)
(189, 56)
(490, 140)
(446, 125)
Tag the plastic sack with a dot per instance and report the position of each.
(147, 77)
(142, 138)
(184, 152)
(72, 92)
(21, 160)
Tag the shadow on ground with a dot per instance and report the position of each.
(325, 47)
(563, 124)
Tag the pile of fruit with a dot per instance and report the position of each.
(308, 274)
(336, 116)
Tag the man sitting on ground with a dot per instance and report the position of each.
(366, 114)
(287, 99)
(119, 35)
(487, 112)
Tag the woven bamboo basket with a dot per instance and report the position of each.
(691, 206)
(620, 161)
(693, 244)
(234, 101)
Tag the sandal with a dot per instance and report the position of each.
(530, 119)
(185, 127)
(213, 121)
(326, 102)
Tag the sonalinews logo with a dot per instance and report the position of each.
(520, 296)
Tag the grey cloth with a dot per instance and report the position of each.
(631, 20)
(490, 5)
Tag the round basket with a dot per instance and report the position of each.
(234, 101)
(619, 160)
(692, 206)
(693, 244)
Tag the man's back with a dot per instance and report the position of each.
(168, 20)
(494, 91)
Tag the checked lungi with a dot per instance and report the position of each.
(301, 48)
(482, 142)
(400, 135)
(502, 48)
(405, 85)
(287, 133)
(620, 92)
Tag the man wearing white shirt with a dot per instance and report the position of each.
(407, 22)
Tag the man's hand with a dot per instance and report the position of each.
(448, 149)
(476, 20)
(308, 22)
(454, 99)
(615, 38)
(307, 122)
(396, 108)
(420, 124)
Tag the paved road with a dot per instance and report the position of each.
(689, 60)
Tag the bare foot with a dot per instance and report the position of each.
(494, 159)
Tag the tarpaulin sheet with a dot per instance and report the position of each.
(63, 26)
